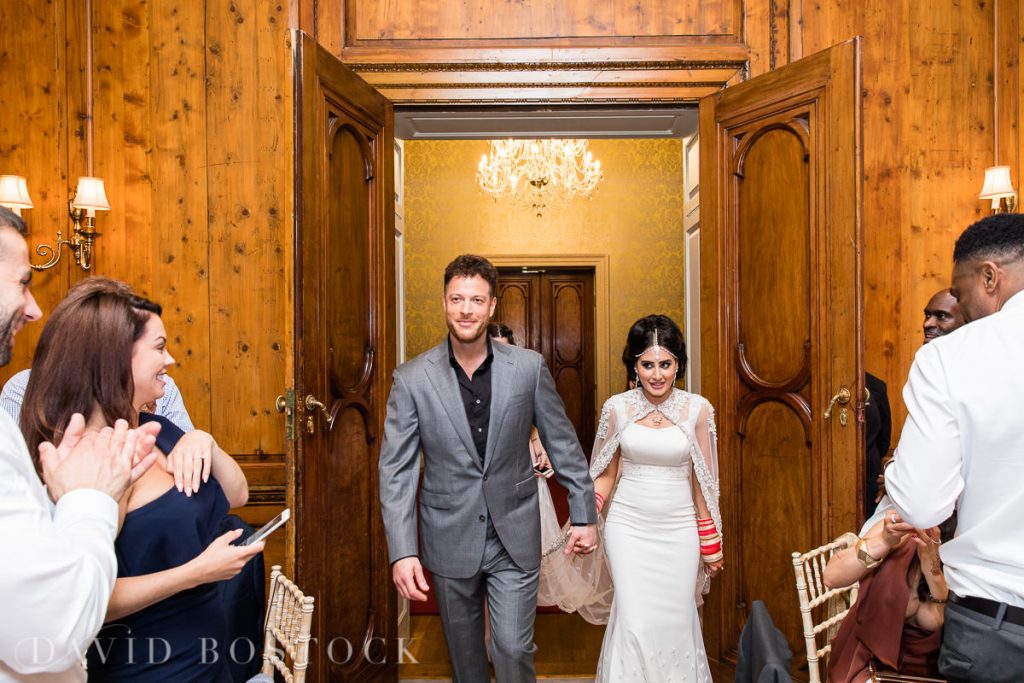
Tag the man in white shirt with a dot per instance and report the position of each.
(58, 566)
(962, 447)
(170, 405)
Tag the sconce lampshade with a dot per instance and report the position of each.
(997, 183)
(90, 195)
(14, 193)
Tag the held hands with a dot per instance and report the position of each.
(582, 540)
(109, 460)
(191, 461)
(221, 560)
(713, 568)
(407, 575)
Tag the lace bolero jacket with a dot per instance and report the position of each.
(692, 413)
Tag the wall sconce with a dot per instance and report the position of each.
(89, 198)
(999, 189)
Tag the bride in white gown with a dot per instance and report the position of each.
(655, 474)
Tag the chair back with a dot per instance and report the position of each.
(286, 635)
(821, 609)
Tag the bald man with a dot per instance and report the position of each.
(941, 315)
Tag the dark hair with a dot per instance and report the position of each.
(501, 330)
(84, 360)
(996, 237)
(469, 265)
(9, 219)
(641, 338)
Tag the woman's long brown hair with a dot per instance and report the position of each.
(84, 360)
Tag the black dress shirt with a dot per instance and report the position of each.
(476, 396)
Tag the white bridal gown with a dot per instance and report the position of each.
(653, 633)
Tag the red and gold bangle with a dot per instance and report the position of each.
(711, 559)
(599, 499)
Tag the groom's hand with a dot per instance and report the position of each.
(582, 540)
(407, 573)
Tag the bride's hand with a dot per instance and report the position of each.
(712, 568)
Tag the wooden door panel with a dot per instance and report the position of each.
(567, 353)
(344, 355)
(781, 278)
(774, 250)
(516, 298)
(777, 480)
(349, 198)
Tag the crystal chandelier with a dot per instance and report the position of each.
(539, 172)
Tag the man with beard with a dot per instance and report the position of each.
(963, 447)
(59, 566)
(941, 315)
(470, 406)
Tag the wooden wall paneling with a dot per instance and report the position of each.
(1009, 21)
(768, 29)
(249, 140)
(120, 101)
(929, 118)
(178, 224)
(373, 20)
(34, 131)
(886, 175)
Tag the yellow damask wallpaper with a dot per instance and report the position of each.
(635, 217)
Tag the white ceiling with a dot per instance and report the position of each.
(424, 124)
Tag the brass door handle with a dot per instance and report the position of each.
(312, 404)
(842, 396)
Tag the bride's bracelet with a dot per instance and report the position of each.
(711, 559)
(599, 500)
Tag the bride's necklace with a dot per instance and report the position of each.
(657, 418)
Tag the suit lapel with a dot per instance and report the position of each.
(442, 378)
(503, 372)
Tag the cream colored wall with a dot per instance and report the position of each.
(636, 218)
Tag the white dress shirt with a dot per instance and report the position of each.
(170, 405)
(964, 439)
(57, 572)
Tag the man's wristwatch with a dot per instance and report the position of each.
(865, 557)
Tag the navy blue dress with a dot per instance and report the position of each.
(181, 638)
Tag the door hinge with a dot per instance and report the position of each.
(285, 403)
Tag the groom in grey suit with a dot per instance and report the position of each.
(470, 406)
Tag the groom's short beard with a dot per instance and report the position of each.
(7, 337)
(482, 330)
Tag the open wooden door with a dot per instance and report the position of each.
(782, 325)
(345, 341)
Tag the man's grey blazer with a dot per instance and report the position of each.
(425, 411)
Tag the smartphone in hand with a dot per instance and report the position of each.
(268, 528)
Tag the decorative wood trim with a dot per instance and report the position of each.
(673, 97)
(622, 65)
(601, 263)
(510, 55)
(584, 84)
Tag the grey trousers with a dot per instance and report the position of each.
(976, 647)
(511, 595)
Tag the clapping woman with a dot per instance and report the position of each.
(103, 353)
